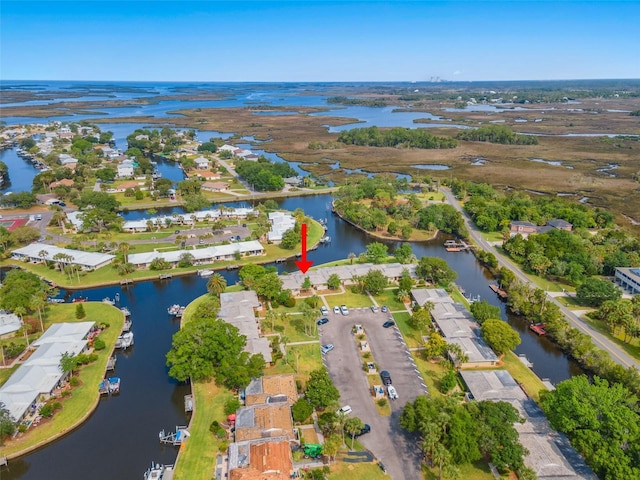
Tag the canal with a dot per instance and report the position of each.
(121, 438)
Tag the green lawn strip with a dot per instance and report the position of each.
(292, 328)
(412, 337)
(431, 374)
(492, 236)
(570, 302)
(5, 373)
(523, 375)
(79, 405)
(632, 348)
(356, 471)
(303, 359)
(459, 297)
(388, 297)
(350, 299)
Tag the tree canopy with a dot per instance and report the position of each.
(320, 391)
(500, 336)
(435, 270)
(404, 137)
(210, 348)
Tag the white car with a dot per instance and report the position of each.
(391, 391)
(326, 348)
(344, 310)
(336, 310)
(346, 410)
(324, 310)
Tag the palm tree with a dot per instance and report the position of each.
(38, 303)
(216, 284)
(124, 247)
(351, 256)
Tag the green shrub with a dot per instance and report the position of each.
(231, 406)
(301, 410)
(65, 393)
(382, 402)
(74, 381)
(289, 302)
(46, 410)
(56, 405)
(98, 344)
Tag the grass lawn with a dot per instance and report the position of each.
(350, 299)
(492, 236)
(292, 328)
(523, 375)
(632, 348)
(356, 471)
(197, 457)
(5, 373)
(475, 471)
(83, 399)
(388, 297)
(411, 336)
(431, 374)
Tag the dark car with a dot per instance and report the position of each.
(382, 467)
(365, 429)
(176, 231)
(389, 323)
(322, 321)
(62, 204)
(386, 377)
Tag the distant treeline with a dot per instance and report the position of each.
(367, 102)
(264, 175)
(635, 113)
(404, 137)
(496, 134)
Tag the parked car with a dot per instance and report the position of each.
(345, 410)
(384, 309)
(344, 310)
(389, 323)
(336, 310)
(391, 391)
(322, 321)
(363, 430)
(327, 348)
(176, 232)
(386, 377)
(374, 308)
(324, 310)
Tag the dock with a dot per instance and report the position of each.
(188, 403)
(126, 281)
(174, 438)
(165, 276)
(453, 246)
(500, 292)
(523, 358)
(126, 326)
(125, 311)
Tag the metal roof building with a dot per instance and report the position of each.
(39, 252)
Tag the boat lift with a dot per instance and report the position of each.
(174, 438)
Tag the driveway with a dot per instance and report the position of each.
(396, 448)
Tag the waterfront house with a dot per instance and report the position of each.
(280, 223)
(202, 163)
(215, 186)
(10, 323)
(41, 252)
(65, 182)
(205, 175)
(125, 169)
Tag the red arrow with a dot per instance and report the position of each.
(304, 264)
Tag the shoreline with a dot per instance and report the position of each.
(78, 422)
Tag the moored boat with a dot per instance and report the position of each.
(125, 340)
(159, 472)
(173, 309)
(205, 273)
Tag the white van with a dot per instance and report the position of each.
(346, 410)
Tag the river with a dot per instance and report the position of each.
(120, 438)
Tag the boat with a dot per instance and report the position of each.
(125, 340)
(205, 273)
(325, 239)
(125, 311)
(108, 301)
(103, 388)
(114, 385)
(111, 363)
(159, 472)
(538, 328)
(173, 310)
(126, 326)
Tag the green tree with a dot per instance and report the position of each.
(290, 239)
(332, 444)
(497, 437)
(68, 363)
(376, 252)
(593, 292)
(80, 313)
(403, 253)
(375, 282)
(448, 381)
(320, 391)
(216, 284)
(207, 348)
(7, 425)
(435, 346)
(353, 426)
(500, 336)
(301, 410)
(268, 285)
(483, 311)
(334, 282)
(435, 270)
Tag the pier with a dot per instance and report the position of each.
(174, 438)
(165, 276)
(188, 403)
(111, 363)
(500, 292)
(538, 328)
(453, 246)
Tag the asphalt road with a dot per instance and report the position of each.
(396, 448)
(602, 342)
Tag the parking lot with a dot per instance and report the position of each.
(396, 448)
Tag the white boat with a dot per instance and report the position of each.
(159, 472)
(205, 273)
(173, 309)
(125, 340)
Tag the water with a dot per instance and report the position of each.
(21, 172)
(431, 166)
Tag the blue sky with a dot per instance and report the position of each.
(318, 40)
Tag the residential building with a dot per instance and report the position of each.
(41, 252)
(264, 421)
(260, 460)
(628, 279)
(215, 186)
(271, 389)
(202, 163)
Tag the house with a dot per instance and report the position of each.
(215, 186)
(269, 459)
(133, 184)
(205, 174)
(68, 161)
(271, 389)
(522, 228)
(628, 279)
(280, 223)
(560, 224)
(125, 169)
(293, 181)
(239, 309)
(264, 421)
(40, 252)
(65, 182)
(10, 323)
(525, 228)
(202, 163)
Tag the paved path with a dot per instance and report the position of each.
(601, 341)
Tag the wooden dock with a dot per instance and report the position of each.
(165, 276)
(538, 328)
(188, 403)
(453, 246)
(111, 363)
(126, 281)
(500, 292)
